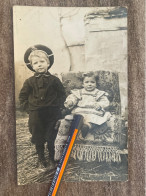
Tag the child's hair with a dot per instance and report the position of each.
(89, 74)
(38, 53)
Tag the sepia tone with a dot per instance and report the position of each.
(82, 39)
(135, 185)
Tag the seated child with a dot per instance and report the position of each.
(90, 103)
(42, 96)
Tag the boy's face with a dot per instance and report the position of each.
(89, 83)
(40, 64)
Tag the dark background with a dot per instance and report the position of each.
(136, 118)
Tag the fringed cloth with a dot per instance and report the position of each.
(91, 153)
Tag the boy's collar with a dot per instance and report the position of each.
(37, 75)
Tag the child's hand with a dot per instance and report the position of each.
(97, 106)
(69, 104)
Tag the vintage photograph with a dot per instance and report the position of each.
(71, 60)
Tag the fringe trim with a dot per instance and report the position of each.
(91, 153)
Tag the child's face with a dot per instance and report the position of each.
(40, 64)
(89, 83)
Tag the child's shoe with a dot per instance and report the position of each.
(84, 130)
(42, 163)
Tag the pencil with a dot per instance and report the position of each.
(75, 127)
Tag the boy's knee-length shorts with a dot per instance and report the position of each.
(42, 123)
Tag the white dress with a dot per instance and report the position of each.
(84, 103)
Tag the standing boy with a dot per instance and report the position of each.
(42, 96)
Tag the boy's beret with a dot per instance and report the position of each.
(43, 48)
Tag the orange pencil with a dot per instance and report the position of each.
(75, 126)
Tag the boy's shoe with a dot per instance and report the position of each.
(51, 163)
(42, 163)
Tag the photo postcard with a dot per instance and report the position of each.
(71, 60)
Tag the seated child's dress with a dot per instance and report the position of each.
(90, 104)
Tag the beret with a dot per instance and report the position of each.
(42, 48)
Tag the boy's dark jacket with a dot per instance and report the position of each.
(40, 91)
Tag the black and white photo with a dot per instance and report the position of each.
(71, 60)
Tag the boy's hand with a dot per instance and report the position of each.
(57, 125)
(64, 112)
